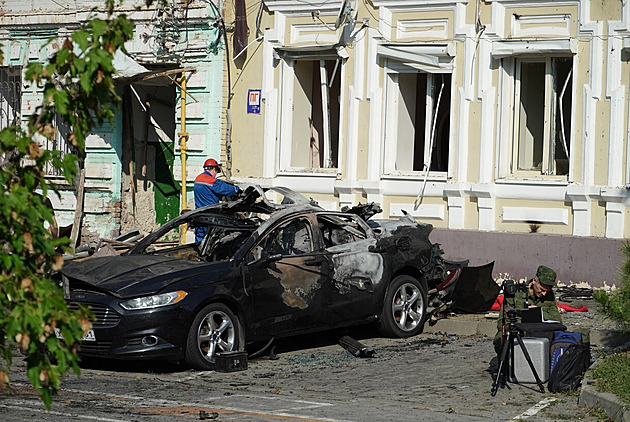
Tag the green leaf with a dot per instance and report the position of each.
(99, 27)
(60, 99)
(82, 38)
(62, 56)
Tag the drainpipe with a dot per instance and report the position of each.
(183, 148)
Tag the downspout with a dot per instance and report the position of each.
(183, 148)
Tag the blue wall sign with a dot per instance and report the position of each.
(253, 101)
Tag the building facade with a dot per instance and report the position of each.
(132, 174)
(503, 123)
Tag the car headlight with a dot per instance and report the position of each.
(155, 301)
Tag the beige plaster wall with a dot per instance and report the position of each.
(247, 129)
(605, 10)
(601, 138)
(471, 213)
(474, 152)
(598, 218)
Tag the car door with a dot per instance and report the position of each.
(287, 271)
(357, 284)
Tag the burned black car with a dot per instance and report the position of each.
(264, 269)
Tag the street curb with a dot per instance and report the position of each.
(466, 325)
(609, 403)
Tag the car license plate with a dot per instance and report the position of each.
(89, 336)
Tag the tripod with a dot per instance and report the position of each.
(507, 352)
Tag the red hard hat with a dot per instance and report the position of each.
(211, 162)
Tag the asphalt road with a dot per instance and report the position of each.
(430, 377)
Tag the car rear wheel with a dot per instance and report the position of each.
(215, 329)
(404, 309)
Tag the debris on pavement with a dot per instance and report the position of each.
(356, 348)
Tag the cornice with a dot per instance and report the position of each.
(303, 7)
(417, 4)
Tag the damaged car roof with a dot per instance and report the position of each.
(237, 213)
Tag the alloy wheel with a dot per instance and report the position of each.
(407, 307)
(216, 334)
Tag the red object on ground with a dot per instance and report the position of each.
(496, 306)
(570, 308)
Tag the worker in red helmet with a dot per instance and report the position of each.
(209, 190)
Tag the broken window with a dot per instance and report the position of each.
(339, 230)
(315, 114)
(220, 242)
(10, 96)
(417, 116)
(543, 101)
(292, 238)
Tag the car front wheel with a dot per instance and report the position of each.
(404, 308)
(215, 329)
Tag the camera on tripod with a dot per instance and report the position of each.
(510, 287)
(512, 335)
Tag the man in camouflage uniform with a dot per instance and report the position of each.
(539, 293)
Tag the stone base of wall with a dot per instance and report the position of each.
(587, 261)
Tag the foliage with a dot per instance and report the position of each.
(77, 85)
(616, 304)
(612, 375)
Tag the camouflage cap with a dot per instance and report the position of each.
(546, 276)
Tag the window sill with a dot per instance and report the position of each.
(314, 172)
(415, 176)
(542, 180)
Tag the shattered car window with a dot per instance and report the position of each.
(292, 238)
(169, 244)
(339, 230)
(220, 244)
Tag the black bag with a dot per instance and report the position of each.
(562, 340)
(568, 372)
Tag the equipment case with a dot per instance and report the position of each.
(538, 349)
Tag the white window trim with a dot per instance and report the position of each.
(507, 49)
(507, 124)
(432, 59)
(285, 120)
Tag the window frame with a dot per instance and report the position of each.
(390, 135)
(256, 251)
(60, 143)
(510, 106)
(286, 116)
(10, 75)
(432, 59)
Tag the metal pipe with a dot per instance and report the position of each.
(183, 148)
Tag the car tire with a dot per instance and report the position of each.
(215, 329)
(404, 308)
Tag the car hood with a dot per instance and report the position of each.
(134, 275)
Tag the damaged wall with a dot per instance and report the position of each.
(133, 169)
